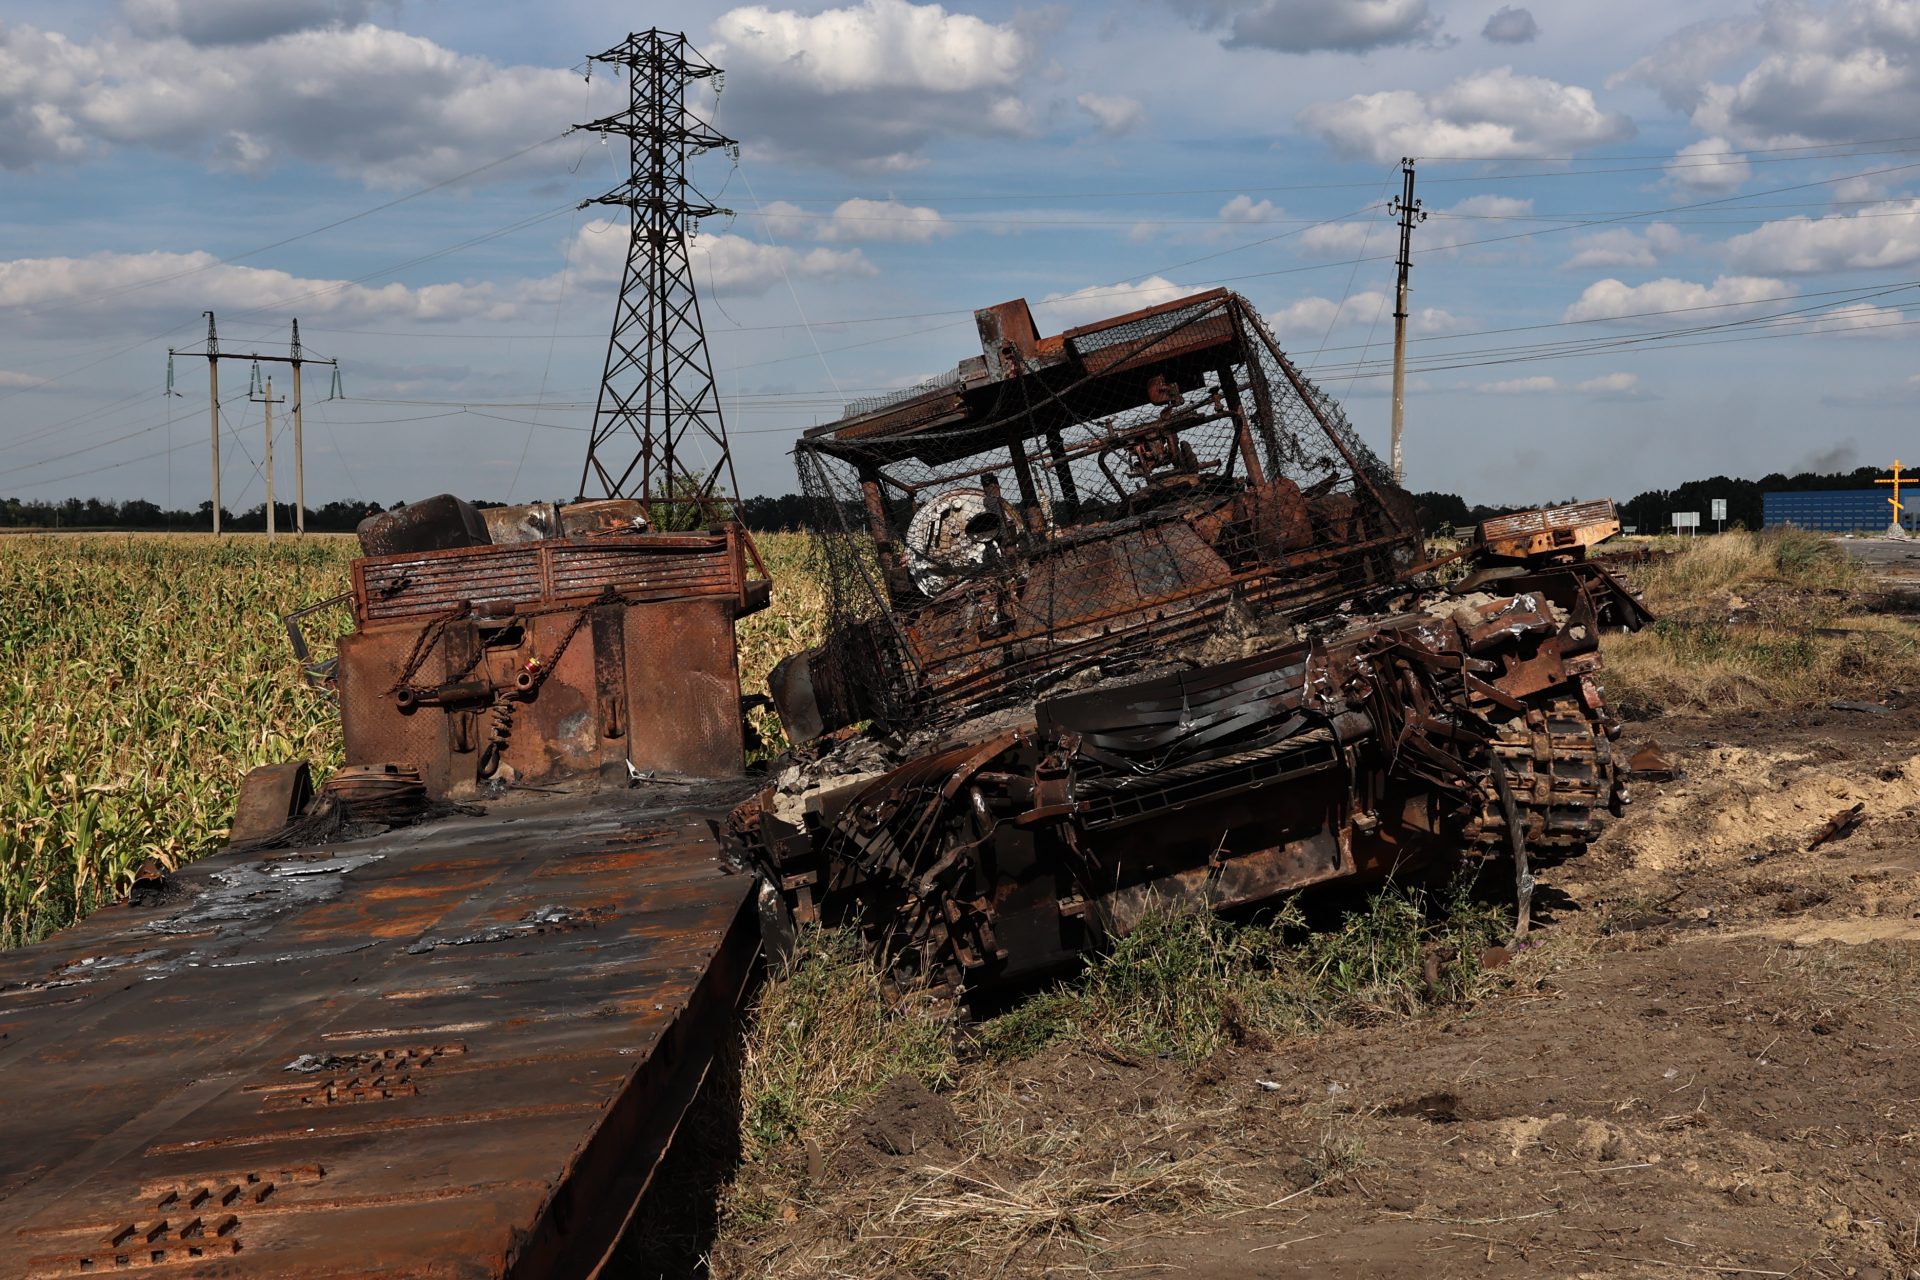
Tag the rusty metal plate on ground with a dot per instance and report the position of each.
(453, 1050)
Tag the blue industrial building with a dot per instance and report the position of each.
(1839, 510)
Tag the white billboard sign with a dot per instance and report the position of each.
(1686, 519)
(1719, 508)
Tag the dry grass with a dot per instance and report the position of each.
(1015, 1188)
(1768, 620)
(144, 675)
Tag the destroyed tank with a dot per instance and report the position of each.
(1128, 617)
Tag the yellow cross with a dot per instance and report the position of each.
(1895, 499)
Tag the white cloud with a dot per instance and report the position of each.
(77, 292)
(173, 282)
(1858, 318)
(1313, 316)
(1096, 302)
(870, 85)
(1615, 300)
(1679, 302)
(1114, 113)
(859, 219)
(1606, 386)
(1449, 228)
(723, 263)
(1485, 115)
(1518, 386)
(851, 221)
(1243, 210)
(13, 378)
(1709, 166)
(1877, 237)
(1620, 247)
(1509, 25)
(376, 104)
(1801, 74)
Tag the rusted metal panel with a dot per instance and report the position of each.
(452, 1051)
(640, 566)
(1565, 530)
(542, 661)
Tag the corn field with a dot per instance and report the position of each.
(141, 677)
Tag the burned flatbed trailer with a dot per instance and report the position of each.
(456, 1050)
(442, 1015)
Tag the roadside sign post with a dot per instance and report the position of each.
(1688, 520)
(1719, 515)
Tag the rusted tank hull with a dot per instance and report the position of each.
(454, 1050)
(1464, 730)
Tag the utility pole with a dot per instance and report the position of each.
(295, 357)
(657, 430)
(213, 411)
(299, 446)
(269, 402)
(1408, 210)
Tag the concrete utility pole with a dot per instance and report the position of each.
(213, 411)
(269, 402)
(296, 358)
(1408, 210)
(299, 446)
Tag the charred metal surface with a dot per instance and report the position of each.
(455, 1050)
(1462, 726)
(601, 650)
(1080, 500)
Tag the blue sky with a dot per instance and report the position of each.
(1633, 174)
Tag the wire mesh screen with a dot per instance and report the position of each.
(1081, 501)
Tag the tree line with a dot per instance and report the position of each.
(1649, 511)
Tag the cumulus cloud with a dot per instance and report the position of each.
(1114, 113)
(1244, 210)
(64, 291)
(1879, 236)
(1312, 26)
(1677, 302)
(1509, 25)
(1709, 166)
(723, 263)
(859, 219)
(1612, 386)
(869, 86)
(853, 220)
(1449, 228)
(1314, 316)
(1795, 74)
(170, 282)
(1518, 386)
(1095, 302)
(1616, 300)
(1621, 247)
(1485, 115)
(377, 104)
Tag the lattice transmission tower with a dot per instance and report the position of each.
(658, 434)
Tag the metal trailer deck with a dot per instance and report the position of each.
(452, 1050)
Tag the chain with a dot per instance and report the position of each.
(430, 635)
